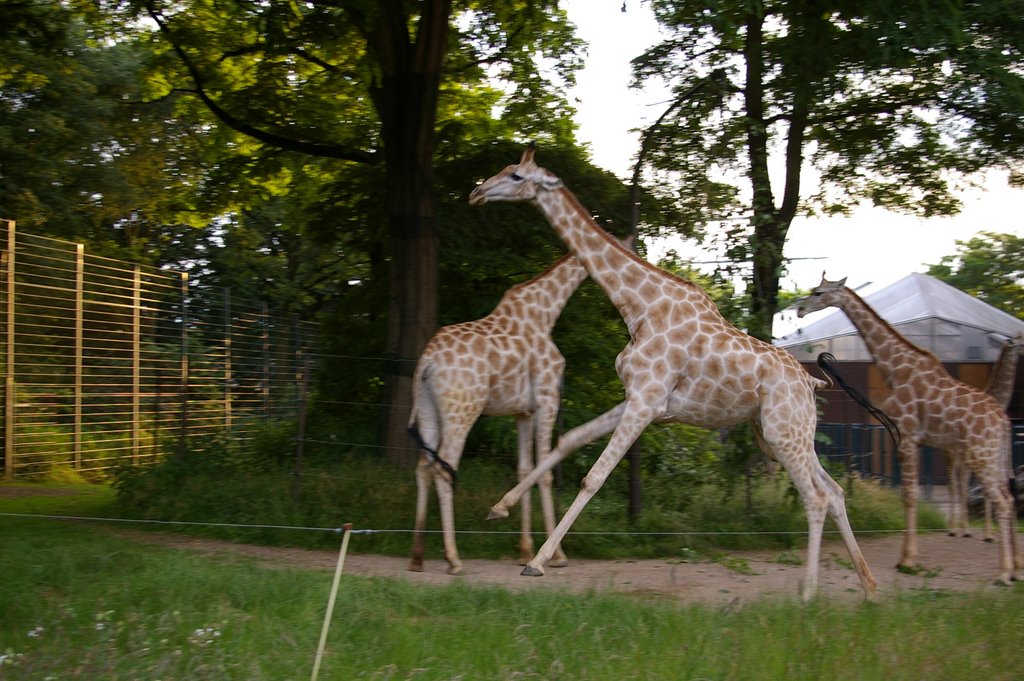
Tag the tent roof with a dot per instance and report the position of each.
(914, 297)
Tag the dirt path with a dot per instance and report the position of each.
(953, 564)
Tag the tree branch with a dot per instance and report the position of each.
(290, 144)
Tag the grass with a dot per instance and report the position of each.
(79, 603)
(373, 494)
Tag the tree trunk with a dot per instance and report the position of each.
(412, 317)
(407, 104)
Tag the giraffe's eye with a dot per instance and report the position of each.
(516, 177)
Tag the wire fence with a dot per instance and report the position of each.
(107, 362)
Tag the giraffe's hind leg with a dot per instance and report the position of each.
(821, 495)
(423, 475)
(837, 511)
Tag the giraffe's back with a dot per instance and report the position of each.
(488, 366)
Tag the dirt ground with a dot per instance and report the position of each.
(951, 563)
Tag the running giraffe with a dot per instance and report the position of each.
(684, 363)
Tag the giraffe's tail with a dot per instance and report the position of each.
(420, 396)
(828, 364)
(820, 384)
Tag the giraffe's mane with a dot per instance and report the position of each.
(927, 354)
(529, 282)
(581, 209)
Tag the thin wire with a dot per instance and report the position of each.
(339, 530)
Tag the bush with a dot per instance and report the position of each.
(690, 502)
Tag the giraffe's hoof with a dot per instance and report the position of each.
(532, 571)
(497, 511)
(1002, 581)
(909, 568)
(951, 533)
(415, 567)
(455, 570)
(558, 562)
(989, 540)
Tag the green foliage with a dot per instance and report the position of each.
(692, 499)
(989, 266)
(82, 158)
(888, 103)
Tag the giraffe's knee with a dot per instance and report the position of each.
(591, 483)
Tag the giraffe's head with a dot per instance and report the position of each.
(825, 294)
(518, 182)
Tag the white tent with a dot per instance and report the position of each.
(930, 313)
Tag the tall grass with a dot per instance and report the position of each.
(77, 603)
(372, 494)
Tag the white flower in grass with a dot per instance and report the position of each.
(204, 636)
(36, 633)
(103, 620)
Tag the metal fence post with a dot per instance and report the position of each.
(136, 364)
(227, 366)
(183, 384)
(302, 362)
(265, 320)
(9, 396)
(76, 427)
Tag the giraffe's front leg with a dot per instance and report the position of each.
(632, 424)
(957, 515)
(525, 428)
(567, 444)
(908, 466)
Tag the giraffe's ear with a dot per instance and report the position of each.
(528, 152)
(549, 181)
(841, 282)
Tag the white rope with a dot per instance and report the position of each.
(339, 530)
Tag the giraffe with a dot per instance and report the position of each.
(684, 362)
(931, 407)
(502, 364)
(1000, 386)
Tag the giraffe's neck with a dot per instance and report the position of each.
(887, 347)
(543, 297)
(1004, 375)
(615, 269)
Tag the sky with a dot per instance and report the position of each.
(872, 245)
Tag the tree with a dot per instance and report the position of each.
(364, 82)
(80, 158)
(888, 103)
(989, 266)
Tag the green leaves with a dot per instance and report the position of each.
(889, 103)
(989, 266)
